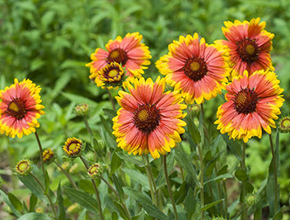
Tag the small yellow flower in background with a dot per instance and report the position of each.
(249, 46)
(253, 103)
(149, 120)
(111, 76)
(95, 170)
(284, 124)
(73, 147)
(74, 208)
(194, 67)
(48, 156)
(129, 52)
(24, 167)
(20, 108)
(82, 109)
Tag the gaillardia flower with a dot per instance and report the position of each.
(128, 52)
(24, 167)
(20, 108)
(149, 120)
(111, 76)
(249, 46)
(48, 156)
(73, 147)
(195, 68)
(253, 103)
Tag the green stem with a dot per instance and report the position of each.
(220, 190)
(150, 180)
(201, 179)
(112, 188)
(67, 175)
(275, 174)
(40, 152)
(111, 99)
(96, 190)
(226, 198)
(169, 187)
(243, 166)
(88, 126)
(46, 194)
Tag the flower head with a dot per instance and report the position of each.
(195, 68)
(251, 199)
(128, 52)
(149, 120)
(24, 167)
(249, 46)
(82, 109)
(284, 124)
(20, 108)
(73, 147)
(95, 170)
(48, 156)
(253, 103)
(111, 76)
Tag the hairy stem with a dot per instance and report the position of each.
(275, 174)
(67, 175)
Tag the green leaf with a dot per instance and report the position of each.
(138, 177)
(34, 216)
(190, 203)
(128, 158)
(220, 177)
(118, 183)
(33, 186)
(8, 202)
(241, 175)
(184, 162)
(84, 199)
(121, 210)
(115, 161)
(271, 186)
(146, 203)
(15, 202)
(32, 202)
(207, 206)
(60, 211)
(193, 130)
(234, 146)
(86, 185)
(82, 216)
(110, 113)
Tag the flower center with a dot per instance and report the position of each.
(23, 166)
(113, 73)
(72, 146)
(195, 68)
(248, 50)
(16, 108)
(147, 118)
(245, 101)
(118, 55)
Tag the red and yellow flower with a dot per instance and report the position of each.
(149, 120)
(20, 108)
(129, 52)
(249, 46)
(253, 103)
(194, 67)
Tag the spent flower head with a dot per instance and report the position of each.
(82, 109)
(48, 156)
(73, 147)
(24, 167)
(284, 124)
(95, 170)
(251, 199)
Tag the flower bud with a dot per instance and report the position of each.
(73, 147)
(74, 208)
(195, 109)
(48, 156)
(82, 109)
(251, 199)
(284, 124)
(95, 170)
(24, 167)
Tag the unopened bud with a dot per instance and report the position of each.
(82, 109)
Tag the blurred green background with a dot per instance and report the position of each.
(50, 41)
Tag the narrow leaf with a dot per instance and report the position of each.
(34, 216)
(207, 206)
